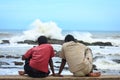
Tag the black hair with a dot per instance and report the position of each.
(69, 38)
(42, 40)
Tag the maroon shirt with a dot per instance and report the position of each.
(40, 56)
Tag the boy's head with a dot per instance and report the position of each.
(42, 40)
(69, 38)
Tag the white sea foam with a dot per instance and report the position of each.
(104, 56)
(49, 29)
(107, 64)
(0, 41)
(85, 36)
(89, 37)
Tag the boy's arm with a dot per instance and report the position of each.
(89, 55)
(51, 66)
(61, 67)
(23, 57)
(28, 54)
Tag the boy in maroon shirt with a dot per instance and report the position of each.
(38, 59)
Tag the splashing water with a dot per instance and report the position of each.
(49, 29)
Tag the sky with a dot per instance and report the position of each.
(88, 15)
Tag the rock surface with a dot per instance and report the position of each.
(56, 41)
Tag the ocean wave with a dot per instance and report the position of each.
(0, 41)
(51, 30)
(89, 37)
(107, 64)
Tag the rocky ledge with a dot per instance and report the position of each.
(55, 41)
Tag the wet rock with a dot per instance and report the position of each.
(94, 67)
(4, 63)
(66, 68)
(57, 66)
(102, 47)
(98, 53)
(18, 63)
(28, 42)
(56, 41)
(85, 43)
(103, 71)
(1, 56)
(102, 43)
(116, 60)
(9, 56)
(51, 41)
(58, 62)
(96, 57)
(5, 42)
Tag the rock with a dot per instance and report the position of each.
(57, 66)
(85, 43)
(66, 68)
(94, 67)
(51, 41)
(1, 56)
(27, 41)
(18, 63)
(5, 42)
(96, 57)
(98, 53)
(103, 71)
(56, 41)
(30, 42)
(9, 56)
(58, 62)
(4, 63)
(102, 43)
(116, 60)
(102, 47)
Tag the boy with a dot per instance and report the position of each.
(79, 58)
(37, 59)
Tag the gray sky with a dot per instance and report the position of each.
(97, 15)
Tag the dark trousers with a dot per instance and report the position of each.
(32, 72)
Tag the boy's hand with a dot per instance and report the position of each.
(58, 75)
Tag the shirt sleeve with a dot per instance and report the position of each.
(62, 55)
(52, 52)
(28, 54)
(89, 54)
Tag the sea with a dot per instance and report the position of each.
(106, 58)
